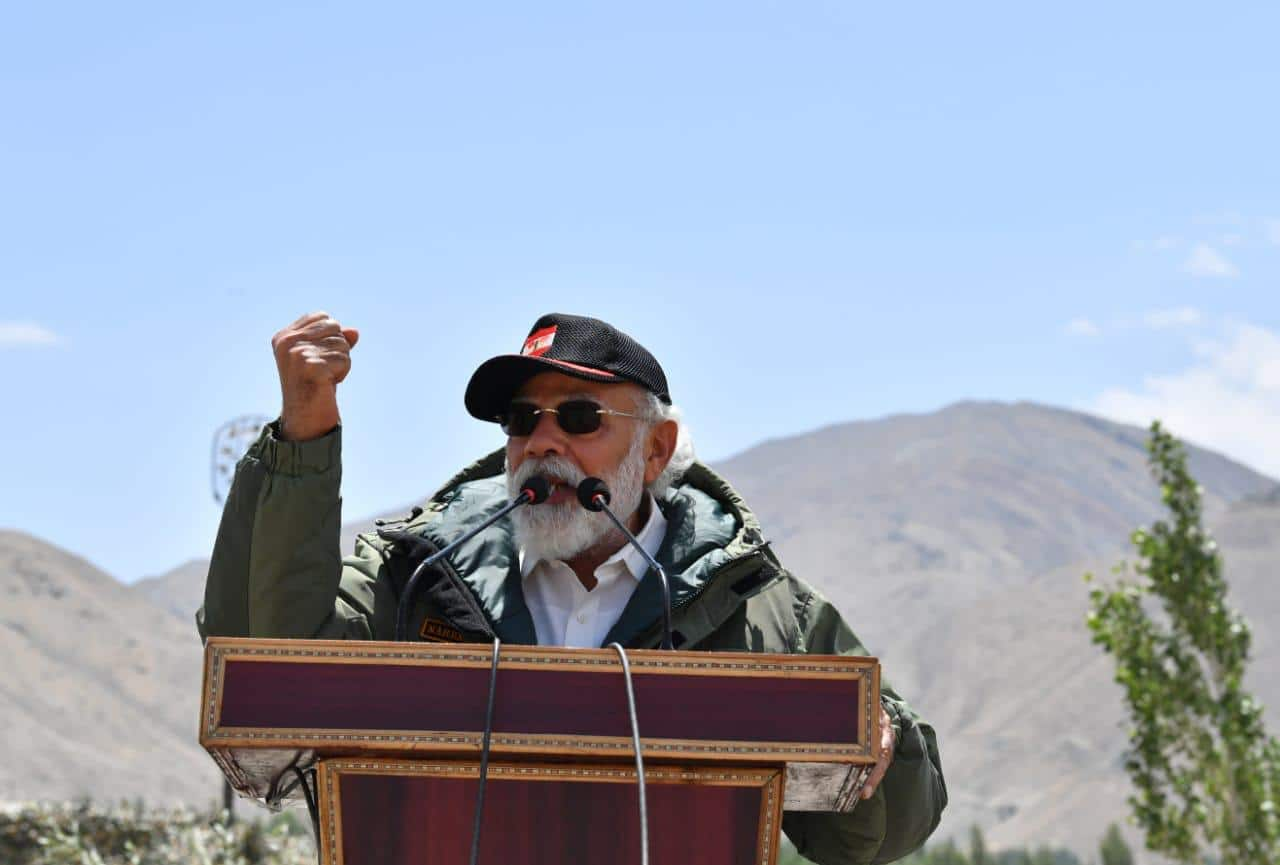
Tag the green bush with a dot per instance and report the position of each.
(89, 834)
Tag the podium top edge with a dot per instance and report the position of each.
(407, 651)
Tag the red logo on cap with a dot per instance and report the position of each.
(539, 342)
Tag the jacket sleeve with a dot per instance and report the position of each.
(907, 805)
(276, 569)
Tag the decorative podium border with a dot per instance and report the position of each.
(219, 739)
(330, 773)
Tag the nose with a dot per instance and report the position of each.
(547, 438)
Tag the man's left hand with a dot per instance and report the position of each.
(888, 741)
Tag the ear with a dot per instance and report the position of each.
(660, 444)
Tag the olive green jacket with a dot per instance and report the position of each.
(277, 571)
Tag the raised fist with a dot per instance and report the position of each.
(312, 356)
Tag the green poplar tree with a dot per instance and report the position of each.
(1014, 857)
(947, 854)
(978, 847)
(1114, 850)
(1206, 775)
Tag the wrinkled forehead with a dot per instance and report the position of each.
(548, 387)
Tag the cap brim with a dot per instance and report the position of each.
(496, 381)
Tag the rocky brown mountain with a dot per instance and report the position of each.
(100, 690)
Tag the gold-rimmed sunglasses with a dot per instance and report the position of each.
(575, 416)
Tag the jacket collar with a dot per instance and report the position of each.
(710, 532)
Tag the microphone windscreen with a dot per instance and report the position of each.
(589, 489)
(537, 489)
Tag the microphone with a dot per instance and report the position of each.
(594, 495)
(534, 491)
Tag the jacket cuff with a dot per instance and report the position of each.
(297, 458)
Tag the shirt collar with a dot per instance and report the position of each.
(650, 537)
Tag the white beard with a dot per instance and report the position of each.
(563, 531)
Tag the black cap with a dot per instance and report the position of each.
(575, 345)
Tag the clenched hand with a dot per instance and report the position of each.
(888, 741)
(313, 355)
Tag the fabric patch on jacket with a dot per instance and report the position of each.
(439, 631)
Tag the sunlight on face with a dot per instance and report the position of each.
(561, 528)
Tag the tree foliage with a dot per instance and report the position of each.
(947, 853)
(1114, 850)
(89, 834)
(1206, 775)
(978, 854)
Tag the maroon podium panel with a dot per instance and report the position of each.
(385, 812)
(370, 698)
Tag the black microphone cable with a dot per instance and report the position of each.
(312, 810)
(484, 755)
(534, 491)
(279, 791)
(635, 744)
(594, 495)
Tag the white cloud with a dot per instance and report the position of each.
(1163, 319)
(25, 333)
(1228, 399)
(1207, 261)
(1081, 327)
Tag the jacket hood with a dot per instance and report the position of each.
(711, 534)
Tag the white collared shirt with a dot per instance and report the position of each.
(567, 614)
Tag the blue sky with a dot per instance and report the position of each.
(811, 213)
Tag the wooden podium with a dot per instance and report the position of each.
(394, 730)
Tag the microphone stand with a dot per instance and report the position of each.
(594, 496)
(534, 492)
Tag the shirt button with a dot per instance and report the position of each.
(582, 618)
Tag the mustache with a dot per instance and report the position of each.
(557, 470)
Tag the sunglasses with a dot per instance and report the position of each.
(575, 416)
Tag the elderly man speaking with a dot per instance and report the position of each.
(580, 399)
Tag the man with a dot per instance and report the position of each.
(580, 399)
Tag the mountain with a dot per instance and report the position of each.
(180, 591)
(953, 541)
(984, 491)
(101, 688)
